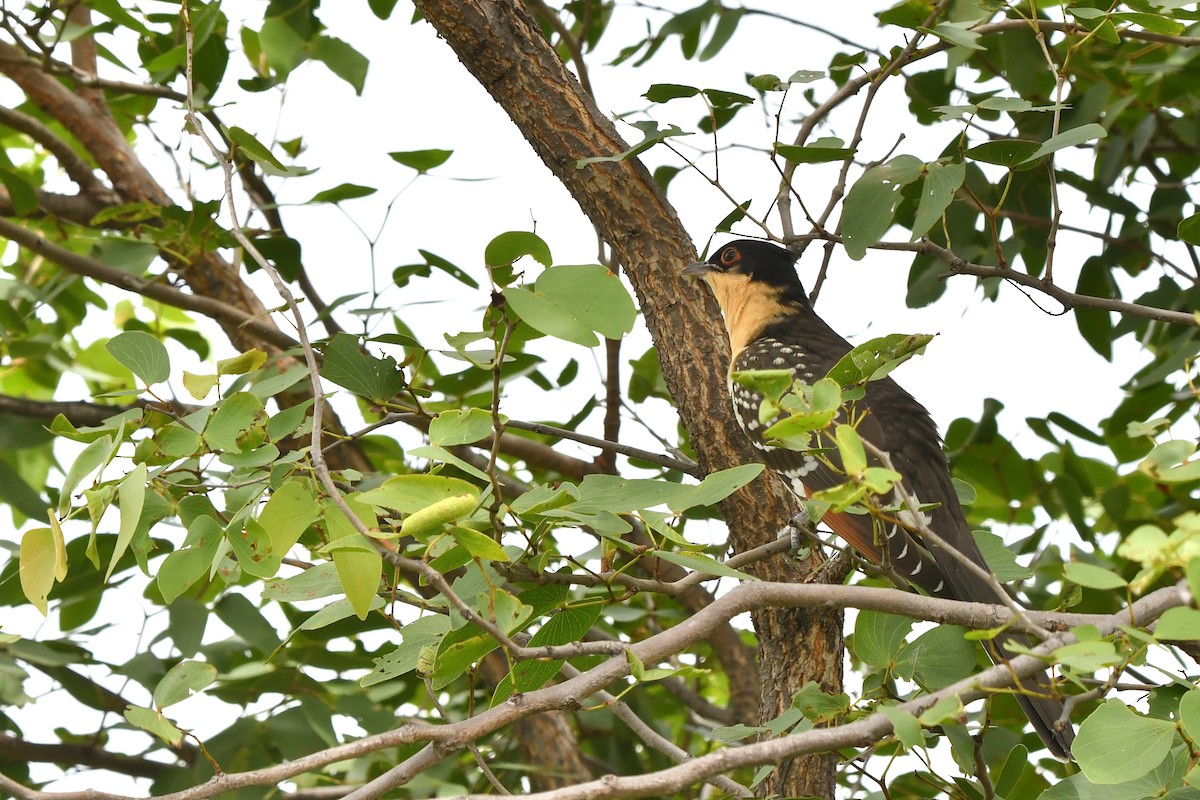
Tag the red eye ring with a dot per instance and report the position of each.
(730, 256)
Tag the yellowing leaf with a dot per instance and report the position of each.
(60, 547)
(37, 567)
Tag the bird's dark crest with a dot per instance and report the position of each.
(762, 262)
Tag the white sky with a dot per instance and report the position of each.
(418, 96)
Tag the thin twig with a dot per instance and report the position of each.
(1069, 300)
(471, 747)
(1060, 78)
(655, 740)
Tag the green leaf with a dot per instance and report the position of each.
(141, 354)
(421, 160)
(342, 60)
(716, 487)
(665, 92)
(182, 681)
(411, 493)
(1178, 624)
(871, 204)
(251, 544)
(1189, 229)
(511, 246)
(246, 620)
(1189, 713)
(377, 379)
(818, 705)
(1166, 458)
(1193, 576)
(131, 494)
(568, 625)
(906, 727)
(239, 424)
(241, 364)
(288, 514)
(1154, 23)
(947, 709)
(1010, 774)
(184, 567)
(1144, 544)
(879, 637)
(21, 193)
(256, 151)
(652, 136)
(382, 8)
(311, 584)
(620, 495)
(1070, 138)
(37, 566)
(281, 44)
(88, 461)
(574, 303)
(343, 191)
(1006, 104)
(723, 99)
(1088, 656)
(698, 562)
(154, 722)
(937, 658)
(806, 76)
(1115, 745)
(1001, 560)
(15, 491)
(812, 154)
(1005, 152)
(415, 637)
(874, 359)
(907, 13)
(464, 647)
(937, 192)
(358, 567)
(479, 544)
(957, 33)
(735, 733)
(460, 426)
(850, 448)
(1093, 577)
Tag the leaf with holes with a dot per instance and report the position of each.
(871, 204)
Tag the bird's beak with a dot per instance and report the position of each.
(698, 270)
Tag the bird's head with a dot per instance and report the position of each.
(748, 260)
(754, 283)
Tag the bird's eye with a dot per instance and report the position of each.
(730, 256)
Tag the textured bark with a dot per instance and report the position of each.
(502, 46)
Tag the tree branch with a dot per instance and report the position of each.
(77, 169)
(1069, 300)
(19, 751)
(154, 289)
(743, 598)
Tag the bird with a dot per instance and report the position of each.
(772, 325)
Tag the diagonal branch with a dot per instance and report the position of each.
(77, 169)
(154, 289)
(1069, 300)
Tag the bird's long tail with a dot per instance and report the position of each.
(1037, 700)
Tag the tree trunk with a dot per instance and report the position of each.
(502, 46)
